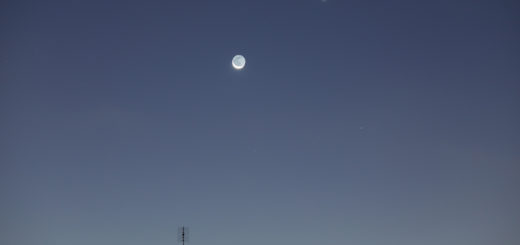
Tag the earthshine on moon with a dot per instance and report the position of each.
(238, 62)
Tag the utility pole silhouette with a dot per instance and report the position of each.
(183, 234)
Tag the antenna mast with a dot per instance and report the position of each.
(182, 235)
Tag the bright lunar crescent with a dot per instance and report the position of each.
(238, 62)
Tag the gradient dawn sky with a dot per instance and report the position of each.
(353, 122)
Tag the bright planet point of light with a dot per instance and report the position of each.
(238, 62)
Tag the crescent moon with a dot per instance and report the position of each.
(238, 62)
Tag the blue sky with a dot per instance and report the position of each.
(353, 122)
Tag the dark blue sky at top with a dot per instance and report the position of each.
(353, 122)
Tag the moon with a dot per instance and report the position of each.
(238, 62)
